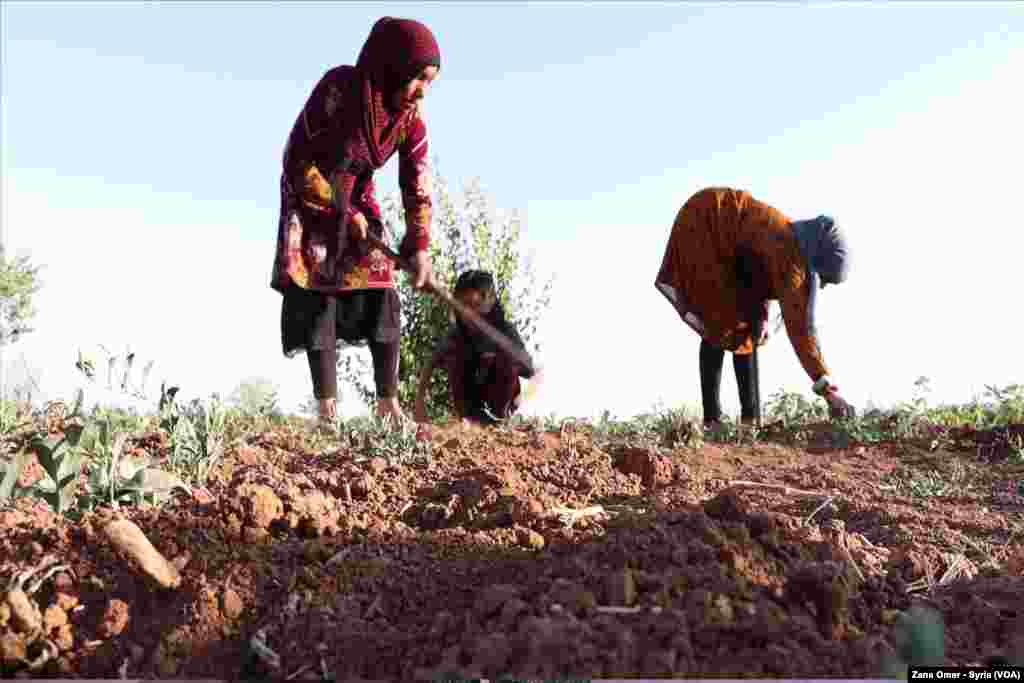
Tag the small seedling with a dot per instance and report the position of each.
(114, 479)
(379, 438)
(197, 437)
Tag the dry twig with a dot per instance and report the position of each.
(267, 656)
(788, 490)
(849, 557)
(569, 517)
(958, 565)
(817, 510)
(653, 609)
(298, 672)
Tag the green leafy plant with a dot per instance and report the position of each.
(118, 420)
(609, 431)
(1016, 449)
(374, 437)
(168, 409)
(1007, 405)
(915, 419)
(866, 429)
(551, 422)
(790, 414)
(61, 459)
(922, 484)
(256, 396)
(728, 431)
(19, 283)
(107, 472)
(8, 485)
(10, 417)
(676, 427)
(115, 479)
(793, 409)
(197, 439)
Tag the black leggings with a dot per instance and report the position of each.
(362, 319)
(712, 359)
(323, 366)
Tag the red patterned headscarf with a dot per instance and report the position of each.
(396, 51)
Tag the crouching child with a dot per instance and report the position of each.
(483, 382)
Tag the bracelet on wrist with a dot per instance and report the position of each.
(822, 385)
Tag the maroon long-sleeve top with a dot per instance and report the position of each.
(314, 250)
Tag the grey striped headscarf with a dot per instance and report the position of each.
(823, 246)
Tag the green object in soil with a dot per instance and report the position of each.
(919, 640)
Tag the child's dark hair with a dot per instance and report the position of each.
(483, 281)
(475, 279)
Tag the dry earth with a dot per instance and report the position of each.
(530, 553)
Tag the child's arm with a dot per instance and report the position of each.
(421, 390)
(442, 348)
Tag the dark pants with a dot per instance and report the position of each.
(481, 384)
(316, 322)
(712, 359)
(323, 366)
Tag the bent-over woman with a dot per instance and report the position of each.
(728, 255)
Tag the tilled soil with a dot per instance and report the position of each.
(757, 560)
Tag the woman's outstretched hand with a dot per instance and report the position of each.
(838, 408)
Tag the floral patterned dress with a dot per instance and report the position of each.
(314, 257)
(313, 250)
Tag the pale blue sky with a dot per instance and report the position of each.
(142, 146)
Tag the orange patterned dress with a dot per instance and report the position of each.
(729, 252)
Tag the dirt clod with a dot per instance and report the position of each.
(726, 506)
(64, 639)
(115, 619)
(572, 596)
(493, 598)
(25, 616)
(12, 649)
(530, 539)
(53, 618)
(258, 505)
(67, 601)
(128, 538)
(653, 469)
(231, 604)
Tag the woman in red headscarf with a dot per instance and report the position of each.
(335, 288)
